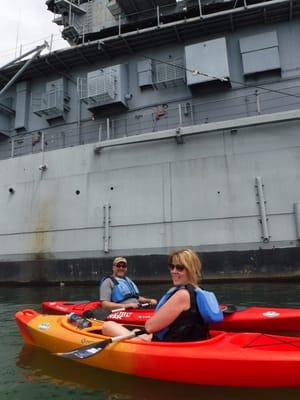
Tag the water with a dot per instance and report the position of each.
(26, 372)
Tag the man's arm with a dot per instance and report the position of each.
(143, 300)
(110, 305)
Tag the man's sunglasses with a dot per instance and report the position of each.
(124, 266)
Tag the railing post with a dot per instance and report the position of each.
(200, 9)
(297, 219)
(120, 25)
(51, 43)
(43, 142)
(100, 133)
(70, 14)
(158, 16)
(12, 147)
(83, 34)
(258, 108)
(107, 129)
(180, 114)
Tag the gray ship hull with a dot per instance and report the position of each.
(143, 200)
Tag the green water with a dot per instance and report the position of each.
(30, 373)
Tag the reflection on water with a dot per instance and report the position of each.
(39, 365)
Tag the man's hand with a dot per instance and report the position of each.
(131, 305)
(153, 302)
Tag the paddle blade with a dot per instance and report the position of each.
(86, 351)
(94, 348)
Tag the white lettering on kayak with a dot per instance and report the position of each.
(270, 314)
(120, 315)
(44, 326)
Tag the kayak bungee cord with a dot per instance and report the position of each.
(277, 340)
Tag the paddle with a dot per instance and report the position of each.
(94, 348)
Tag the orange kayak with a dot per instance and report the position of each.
(226, 359)
(283, 321)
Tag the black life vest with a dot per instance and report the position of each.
(188, 326)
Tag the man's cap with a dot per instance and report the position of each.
(118, 260)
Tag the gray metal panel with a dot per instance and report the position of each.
(145, 78)
(144, 65)
(21, 105)
(113, 7)
(57, 84)
(260, 52)
(6, 115)
(261, 60)
(208, 57)
(107, 85)
(5, 123)
(145, 73)
(123, 83)
(258, 42)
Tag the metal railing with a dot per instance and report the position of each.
(185, 10)
(154, 119)
(167, 73)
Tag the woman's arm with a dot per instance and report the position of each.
(177, 303)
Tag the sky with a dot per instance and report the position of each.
(24, 25)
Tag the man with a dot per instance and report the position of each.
(118, 291)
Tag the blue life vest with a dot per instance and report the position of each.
(207, 306)
(124, 289)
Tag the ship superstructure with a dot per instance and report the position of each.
(165, 124)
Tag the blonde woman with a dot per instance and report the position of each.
(176, 317)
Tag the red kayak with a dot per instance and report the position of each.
(66, 307)
(283, 321)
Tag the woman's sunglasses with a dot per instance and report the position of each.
(177, 267)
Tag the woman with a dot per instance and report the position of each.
(176, 317)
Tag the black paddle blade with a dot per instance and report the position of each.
(94, 348)
(86, 351)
